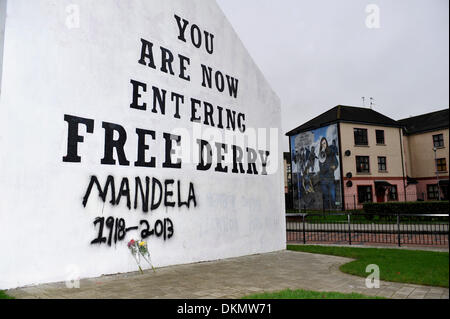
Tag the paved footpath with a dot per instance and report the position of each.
(232, 278)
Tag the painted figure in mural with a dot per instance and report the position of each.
(307, 153)
(308, 169)
(311, 160)
(328, 164)
(299, 156)
(307, 182)
(301, 159)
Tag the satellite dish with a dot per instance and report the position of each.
(349, 184)
(349, 175)
(348, 153)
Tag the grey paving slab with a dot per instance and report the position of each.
(231, 278)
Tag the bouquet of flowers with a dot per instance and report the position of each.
(139, 249)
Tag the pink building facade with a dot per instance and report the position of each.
(379, 159)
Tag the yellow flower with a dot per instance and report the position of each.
(142, 243)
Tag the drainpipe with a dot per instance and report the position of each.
(437, 172)
(341, 166)
(403, 164)
(292, 175)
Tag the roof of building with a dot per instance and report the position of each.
(343, 113)
(426, 122)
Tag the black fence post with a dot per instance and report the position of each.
(398, 230)
(349, 230)
(354, 202)
(304, 232)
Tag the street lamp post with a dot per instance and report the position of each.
(437, 173)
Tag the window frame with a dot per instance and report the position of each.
(392, 198)
(356, 137)
(440, 140)
(367, 200)
(383, 142)
(442, 164)
(434, 191)
(385, 164)
(358, 164)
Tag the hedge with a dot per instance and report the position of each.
(389, 208)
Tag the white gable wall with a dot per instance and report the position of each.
(51, 69)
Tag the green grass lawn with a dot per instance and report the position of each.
(4, 296)
(407, 266)
(307, 294)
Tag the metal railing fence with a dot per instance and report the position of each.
(360, 228)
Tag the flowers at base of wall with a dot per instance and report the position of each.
(139, 249)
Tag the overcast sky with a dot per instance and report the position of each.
(319, 53)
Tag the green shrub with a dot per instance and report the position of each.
(389, 208)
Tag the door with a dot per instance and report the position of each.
(381, 194)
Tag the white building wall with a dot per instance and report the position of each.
(54, 66)
(2, 35)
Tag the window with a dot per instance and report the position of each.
(433, 191)
(382, 164)
(362, 164)
(438, 140)
(380, 136)
(441, 165)
(364, 194)
(393, 194)
(360, 136)
(444, 192)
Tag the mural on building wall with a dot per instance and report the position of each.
(316, 174)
